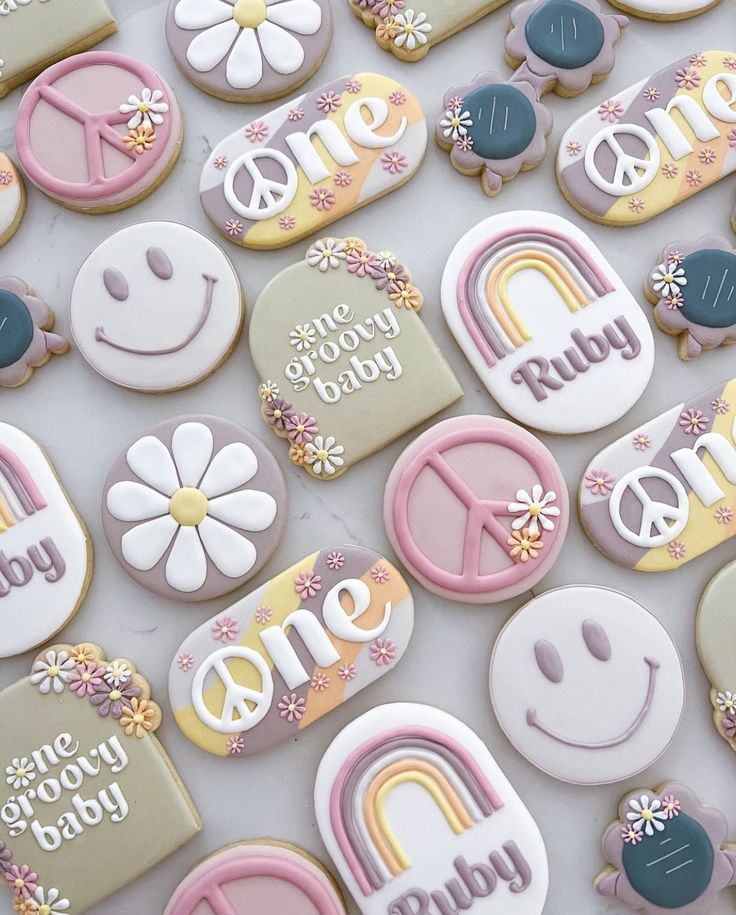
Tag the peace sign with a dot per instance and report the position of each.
(237, 696)
(632, 173)
(654, 514)
(269, 197)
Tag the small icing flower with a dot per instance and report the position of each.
(675, 257)
(235, 745)
(631, 836)
(234, 227)
(277, 413)
(5, 857)
(185, 661)
(720, 406)
(668, 278)
(301, 428)
(610, 110)
(732, 138)
(380, 574)
(117, 673)
(85, 679)
(729, 727)
(646, 813)
(394, 162)
(525, 545)
(329, 102)
(693, 422)
(671, 806)
(599, 482)
(322, 198)
(642, 441)
(335, 561)
(386, 272)
(22, 880)
(320, 682)
(574, 148)
(343, 179)
(24, 906)
(139, 719)
(674, 301)
(723, 515)
(140, 140)
(534, 510)
(6, 177)
(256, 131)
(687, 78)
(20, 773)
(670, 170)
(353, 86)
(360, 262)
(387, 30)
(404, 295)
(636, 204)
(397, 98)
(455, 123)
(386, 8)
(383, 652)
(263, 615)
(456, 101)
(50, 902)
(347, 672)
(726, 701)
(307, 584)
(220, 162)
(465, 144)
(287, 223)
(651, 94)
(296, 114)
(729, 63)
(292, 707)
(707, 156)
(413, 29)
(224, 629)
(699, 60)
(298, 454)
(112, 700)
(326, 254)
(693, 177)
(268, 390)
(677, 549)
(146, 110)
(303, 336)
(83, 654)
(324, 455)
(354, 246)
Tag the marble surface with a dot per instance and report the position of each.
(84, 422)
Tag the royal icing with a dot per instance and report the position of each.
(353, 363)
(195, 508)
(322, 155)
(289, 653)
(83, 775)
(548, 325)
(98, 131)
(665, 9)
(477, 509)
(45, 551)
(420, 820)
(665, 493)
(156, 307)
(641, 151)
(693, 288)
(587, 685)
(667, 851)
(258, 877)
(12, 199)
(26, 341)
(248, 50)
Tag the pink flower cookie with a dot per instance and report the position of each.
(26, 340)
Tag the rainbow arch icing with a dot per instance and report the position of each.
(483, 298)
(19, 495)
(436, 762)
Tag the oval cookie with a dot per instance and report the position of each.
(477, 509)
(546, 322)
(292, 651)
(26, 341)
(645, 149)
(666, 492)
(156, 307)
(12, 199)
(587, 684)
(418, 817)
(195, 508)
(313, 160)
(714, 630)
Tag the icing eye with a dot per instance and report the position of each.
(116, 284)
(596, 640)
(548, 660)
(159, 263)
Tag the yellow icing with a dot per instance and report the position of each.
(249, 14)
(188, 506)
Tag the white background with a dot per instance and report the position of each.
(84, 422)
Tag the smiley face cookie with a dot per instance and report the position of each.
(156, 307)
(12, 199)
(195, 508)
(587, 685)
(26, 341)
(715, 629)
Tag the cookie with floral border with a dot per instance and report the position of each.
(408, 30)
(291, 652)
(298, 168)
(665, 493)
(26, 338)
(84, 779)
(195, 508)
(45, 549)
(693, 290)
(665, 10)
(641, 151)
(249, 51)
(667, 851)
(102, 149)
(259, 876)
(36, 33)
(12, 199)
(353, 363)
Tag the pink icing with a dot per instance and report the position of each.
(24, 477)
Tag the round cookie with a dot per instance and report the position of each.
(156, 307)
(665, 10)
(477, 509)
(26, 341)
(587, 684)
(98, 132)
(12, 199)
(195, 508)
(249, 51)
(715, 630)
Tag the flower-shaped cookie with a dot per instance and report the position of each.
(25, 338)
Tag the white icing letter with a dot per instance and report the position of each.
(282, 651)
(10, 814)
(362, 133)
(691, 466)
(341, 623)
(653, 514)
(113, 754)
(716, 104)
(113, 800)
(671, 135)
(71, 777)
(48, 837)
(638, 172)
(48, 791)
(45, 757)
(268, 197)
(89, 812)
(308, 157)
(63, 746)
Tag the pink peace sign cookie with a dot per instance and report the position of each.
(98, 131)
(477, 509)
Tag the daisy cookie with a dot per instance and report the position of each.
(26, 338)
(12, 199)
(195, 508)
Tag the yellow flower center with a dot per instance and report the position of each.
(456, 121)
(277, 414)
(138, 718)
(19, 884)
(249, 14)
(44, 910)
(647, 814)
(535, 509)
(115, 694)
(21, 773)
(668, 277)
(53, 671)
(143, 107)
(408, 28)
(322, 455)
(188, 506)
(86, 677)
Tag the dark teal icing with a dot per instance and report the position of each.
(565, 34)
(504, 123)
(16, 328)
(709, 298)
(672, 868)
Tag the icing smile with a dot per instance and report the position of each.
(532, 721)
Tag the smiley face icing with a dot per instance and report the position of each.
(156, 307)
(587, 685)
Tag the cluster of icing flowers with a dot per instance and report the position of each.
(455, 123)
(648, 816)
(725, 702)
(395, 24)
(29, 897)
(534, 510)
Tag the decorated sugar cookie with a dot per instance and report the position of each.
(12, 199)
(295, 170)
(420, 820)
(84, 777)
(26, 340)
(667, 852)
(249, 51)
(45, 550)
(242, 682)
(548, 325)
(195, 508)
(258, 876)
(477, 509)
(156, 307)
(36, 33)
(643, 150)
(98, 151)
(693, 289)
(665, 10)
(587, 685)
(336, 339)
(665, 493)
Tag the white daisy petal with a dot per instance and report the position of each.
(149, 459)
(144, 545)
(131, 501)
(244, 66)
(233, 555)
(186, 567)
(209, 48)
(301, 16)
(200, 14)
(249, 510)
(191, 447)
(233, 466)
(283, 52)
